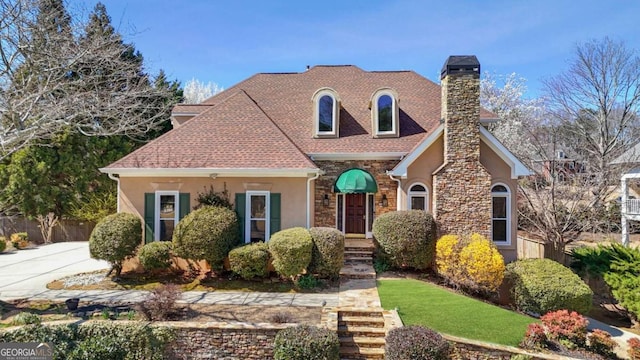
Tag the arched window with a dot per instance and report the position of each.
(384, 113)
(418, 197)
(326, 112)
(501, 214)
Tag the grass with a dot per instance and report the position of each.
(421, 303)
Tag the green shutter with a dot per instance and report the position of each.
(274, 224)
(185, 207)
(149, 216)
(241, 199)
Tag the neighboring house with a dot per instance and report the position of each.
(629, 205)
(562, 167)
(332, 146)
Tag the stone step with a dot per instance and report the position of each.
(371, 249)
(368, 321)
(357, 271)
(362, 341)
(357, 253)
(361, 312)
(354, 352)
(358, 260)
(361, 331)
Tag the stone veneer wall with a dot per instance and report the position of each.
(326, 215)
(462, 186)
(466, 349)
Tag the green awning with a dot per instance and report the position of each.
(355, 181)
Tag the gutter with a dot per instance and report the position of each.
(117, 180)
(398, 191)
(317, 175)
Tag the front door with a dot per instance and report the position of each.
(355, 213)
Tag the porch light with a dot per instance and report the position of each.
(384, 202)
(325, 200)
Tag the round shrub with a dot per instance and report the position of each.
(408, 237)
(250, 261)
(327, 256)
(543, 285)
(290, 250)
(482, 263)
(115, 239)
(448, 257)
(417, 343)
(208, 233)
(305, 342)
(155, 255)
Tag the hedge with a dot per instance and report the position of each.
(250, 261)
(327, 256)
(305, 342)
(290, 250)
(115, 239)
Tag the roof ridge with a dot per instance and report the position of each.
(279, 129)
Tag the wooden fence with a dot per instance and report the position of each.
(66, 230)
(530, 248)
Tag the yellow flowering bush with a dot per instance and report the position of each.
(471, 262)
(482, 263)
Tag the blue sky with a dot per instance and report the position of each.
(228, 41)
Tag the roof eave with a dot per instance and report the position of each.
(210, 172)
(517, 167)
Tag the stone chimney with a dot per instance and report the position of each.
(462, 185)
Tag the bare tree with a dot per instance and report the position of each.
(196, 91)
(597, 101)
(68, 80)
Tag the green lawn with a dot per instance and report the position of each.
(421, 303)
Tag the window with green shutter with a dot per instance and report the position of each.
(240, 207)
(156, 207)
(149, 216)
(259, 215)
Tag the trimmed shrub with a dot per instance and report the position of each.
(407, 237)
(208, 233)
(305, 342)
(327, 256)
(155, 255)
(542, 285)
(291, 250)
(564, 326)
(3, 243)
(26, 318)
(250, 261)
(447, 257)
(417, 343)
(600, 342)
(634, 348)
(115, 239)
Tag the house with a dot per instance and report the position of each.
(629, 183)
(332, 146)
(562, 167)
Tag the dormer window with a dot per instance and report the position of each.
(384, 113)
(326, 108)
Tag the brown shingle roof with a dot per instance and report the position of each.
(246, 124)
(233, 134)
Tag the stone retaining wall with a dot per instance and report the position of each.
(465, 349)
(222, 340)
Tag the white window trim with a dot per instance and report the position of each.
(341, 198)
(424, 194)
(156, 215)
(335, 113)
(394, 113)
(506, 195)
(248, 218)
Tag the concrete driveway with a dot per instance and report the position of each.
(25, 273)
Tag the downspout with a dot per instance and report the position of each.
(117, 180)
(309, 198)
(398, 191)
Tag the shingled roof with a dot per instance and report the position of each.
(266, 121)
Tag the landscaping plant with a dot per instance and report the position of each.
(250, 261)
(20, 240)
(600, 342)
(306, 342)
(327, 256)
(407, 237)
(535, 337)
(3, 243)
(543, 285)
(115, 239)
(291, 251)
(567, 327)
(160, 304)
(155, 255)
(416, 343)
(26, 318)
(472, 263)
(634, 348)
(210, 197)
(208, 233)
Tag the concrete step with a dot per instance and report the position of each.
(361, 331)
(353, 352)
(362, 341)
(361, 321)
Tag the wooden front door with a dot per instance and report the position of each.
(355, 213)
